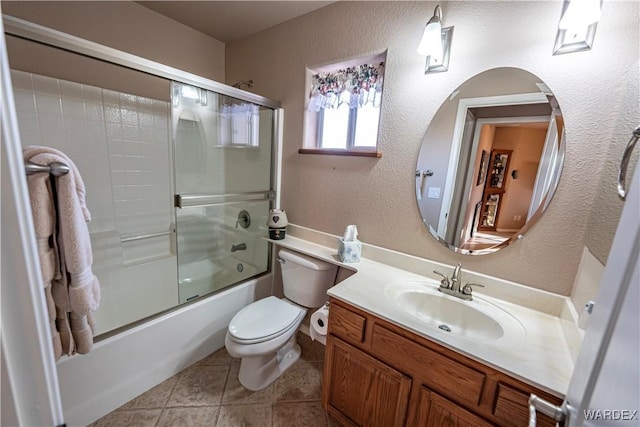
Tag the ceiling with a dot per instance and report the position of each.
(229, 21)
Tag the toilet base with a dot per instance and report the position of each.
(258, 372)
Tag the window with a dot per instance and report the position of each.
(343, 112)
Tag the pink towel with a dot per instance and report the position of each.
(75, 290)
(33, 150)
(44, 226)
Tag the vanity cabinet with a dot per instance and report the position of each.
(378, 374)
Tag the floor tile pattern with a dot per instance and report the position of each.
(209, 394)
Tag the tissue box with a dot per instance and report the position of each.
(349, 251)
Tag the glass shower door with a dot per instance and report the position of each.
(223, 160)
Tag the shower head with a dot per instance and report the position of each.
(247, 83)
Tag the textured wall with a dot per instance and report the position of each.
(127, 26)
(597, 91)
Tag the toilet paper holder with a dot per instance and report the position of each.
(326, 305)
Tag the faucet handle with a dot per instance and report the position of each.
(467, 288)
(444, 283)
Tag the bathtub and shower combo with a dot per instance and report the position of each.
(180, 174)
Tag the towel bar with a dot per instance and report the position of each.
(199, 200)
(144, 236)
(622, 173)
(55, 168)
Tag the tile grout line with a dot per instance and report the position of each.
(224, 391)
(164, 405)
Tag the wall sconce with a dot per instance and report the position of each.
(436, 43)
(577, 27)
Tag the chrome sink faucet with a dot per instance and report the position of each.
(452, 286)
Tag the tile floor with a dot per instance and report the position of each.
(208, 394)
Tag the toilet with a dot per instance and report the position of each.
(263, 334)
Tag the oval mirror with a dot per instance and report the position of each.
(490, 161)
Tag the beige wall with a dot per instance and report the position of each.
(32, 57)
(597, 91)
(127, 26)
(526, 144)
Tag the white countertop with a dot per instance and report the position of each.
(540, 356)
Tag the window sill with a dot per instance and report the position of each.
(339, 152)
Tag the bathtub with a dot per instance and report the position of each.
(206, 259)
(201, 277)
(125, 365)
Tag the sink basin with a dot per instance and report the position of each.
(476, 320)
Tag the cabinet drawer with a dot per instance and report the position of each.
(436, 411)
(346, 324)
(435, 370)
(512, 408)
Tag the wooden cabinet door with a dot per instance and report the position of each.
(360, 391)
(436, 411)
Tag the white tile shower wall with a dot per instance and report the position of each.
(199, 234)
(53, 113)
(138, 140)
(120, 144)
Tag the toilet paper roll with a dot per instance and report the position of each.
(319, 322)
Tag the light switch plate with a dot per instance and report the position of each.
(434, 193)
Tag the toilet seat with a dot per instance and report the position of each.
(264, 320)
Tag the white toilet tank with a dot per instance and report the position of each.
(305, 280)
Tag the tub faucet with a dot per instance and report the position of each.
(239, 247)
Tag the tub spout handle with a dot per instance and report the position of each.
(239, 247)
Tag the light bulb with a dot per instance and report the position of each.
(431, 43)
(189, 92)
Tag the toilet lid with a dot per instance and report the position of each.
(265, 318)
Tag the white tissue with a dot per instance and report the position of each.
(351, 233)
